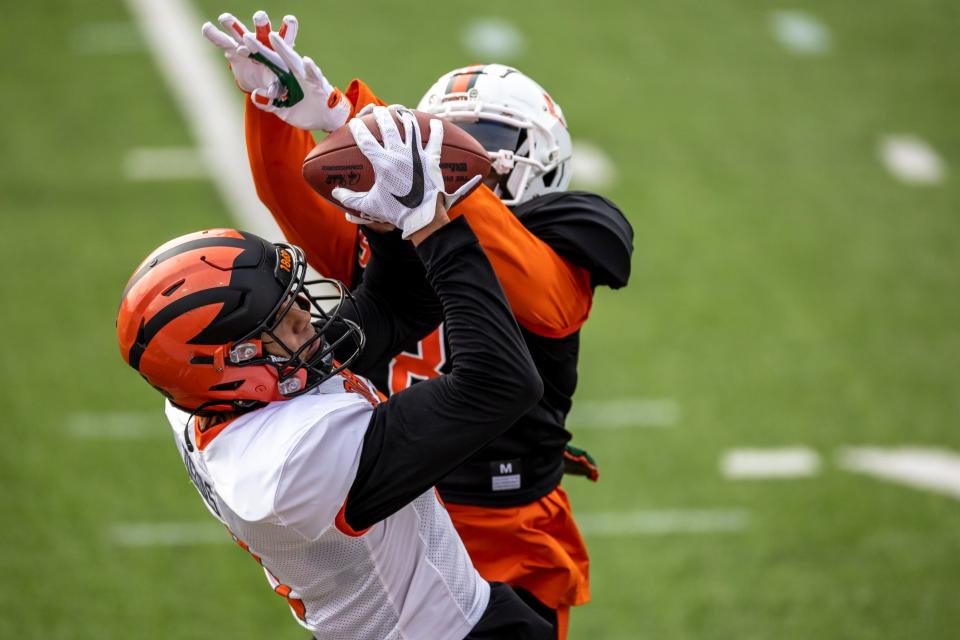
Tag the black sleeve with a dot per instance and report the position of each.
(422, 433)
(394, 303)
(586, 229)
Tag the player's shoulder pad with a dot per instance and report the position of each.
(262, 455)
(586, 229)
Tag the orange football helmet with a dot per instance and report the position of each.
(192, 314)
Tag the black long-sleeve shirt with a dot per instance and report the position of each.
(525, 462)
(420, 435)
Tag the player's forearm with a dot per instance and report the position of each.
(276, 151)
(479, 324)
(422, 433)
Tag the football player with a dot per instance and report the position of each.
(550, 249)
(328, 487)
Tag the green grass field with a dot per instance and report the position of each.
(787, 291)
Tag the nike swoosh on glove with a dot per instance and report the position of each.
(407, 177)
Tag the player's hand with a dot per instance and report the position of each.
(407, 177)
(577, 462)
(251, 73)
(319, 104)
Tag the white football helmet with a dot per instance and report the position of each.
(515, 120)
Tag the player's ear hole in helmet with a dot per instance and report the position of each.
(515, 120)
(195, 314)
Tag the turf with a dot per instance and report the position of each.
(786, 291)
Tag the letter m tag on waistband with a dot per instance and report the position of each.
(505, 475)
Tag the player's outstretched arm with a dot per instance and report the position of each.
(418, 436)
(275, 148)
(275, 151)
(421, 434)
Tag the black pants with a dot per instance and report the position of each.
(507, 617)
(545, 612)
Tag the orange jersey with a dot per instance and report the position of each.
(549, 296)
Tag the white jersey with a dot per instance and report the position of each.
(278, 479)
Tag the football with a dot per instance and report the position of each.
(338, 162)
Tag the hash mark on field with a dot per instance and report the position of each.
(117, 425)
(169, 163)
(591, 167)
(624, 413)
(106, 38)
(910, 159)
(495, 39)
(167, 534)
(662, 522)
(800, 33)
(929, 468)
(788, 462)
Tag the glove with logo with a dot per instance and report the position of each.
(407, 176)
(258, 71)
(302, 97)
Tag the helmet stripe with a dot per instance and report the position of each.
(172, 252)
(173, 311)
(463, 80)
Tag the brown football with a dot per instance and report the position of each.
(338, 162)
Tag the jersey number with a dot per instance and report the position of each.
(363, 255)
(423, 365)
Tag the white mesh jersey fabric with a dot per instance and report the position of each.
(278, 476)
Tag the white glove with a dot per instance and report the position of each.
(407, 178)
(248, 71)
(322, 106)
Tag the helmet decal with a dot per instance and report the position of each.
(462, 80)
(553, 110)
(173, 311)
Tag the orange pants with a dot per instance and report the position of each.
(535, 546)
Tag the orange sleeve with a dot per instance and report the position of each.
(276, 151)
(549, 296)
(360, 95)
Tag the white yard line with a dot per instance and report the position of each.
(117, 425)
(202, 86)
(663, 522)
(928, 468)
(800, 33)
(789, 462)
(624, 413)
(149, 164)
(167, 534)
(911, 159)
